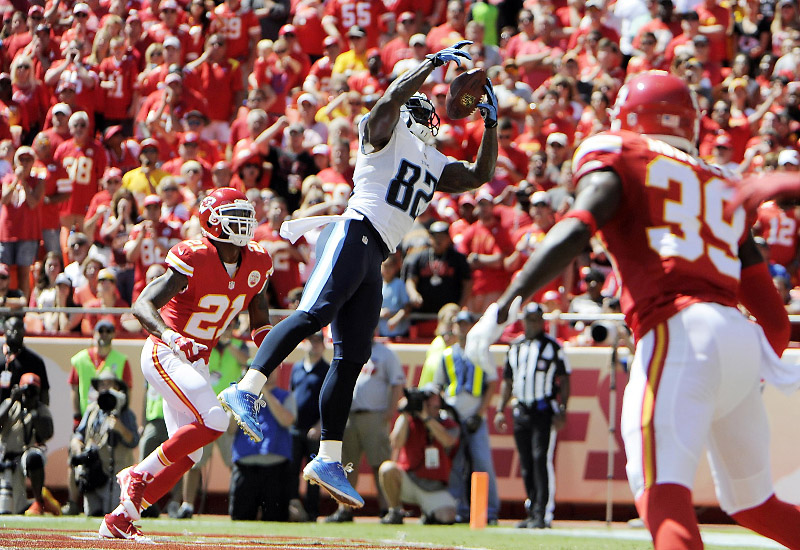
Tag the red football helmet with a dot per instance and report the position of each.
(227, 216)
(659, 105)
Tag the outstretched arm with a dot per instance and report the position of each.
(599, 194)
(458, 177)
(386, 112)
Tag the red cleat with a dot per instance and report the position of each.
(132, 485)
(119, 526)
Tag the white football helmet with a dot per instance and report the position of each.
(420, 116)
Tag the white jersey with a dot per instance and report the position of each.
(394, 185)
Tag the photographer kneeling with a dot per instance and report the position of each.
(25, 425)
(426, 439)
(103, 444)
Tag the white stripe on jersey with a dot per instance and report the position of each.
(324, 266)
(181, 267)
(603, 143)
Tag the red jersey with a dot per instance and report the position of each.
(287, 269)
(153, 250)
(18, 221)
(367, 15)
(212, 297)
(310, 33)
(219, 83)
(238, 27)
(123, 74)
(487, 239)
(672, 244)
(84, 166)
(56, 181)
(779, 229)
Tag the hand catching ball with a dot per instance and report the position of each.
(466, 91)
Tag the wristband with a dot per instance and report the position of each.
(259, 334)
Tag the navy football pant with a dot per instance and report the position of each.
(344, 290)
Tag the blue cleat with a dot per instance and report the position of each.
(244, 407)
(332, 476)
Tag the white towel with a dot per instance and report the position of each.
(294, 229)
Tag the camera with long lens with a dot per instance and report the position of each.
(111, 401)
(89, 474)
(415, 400)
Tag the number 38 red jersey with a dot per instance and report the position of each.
(671, 241)
(212, 298)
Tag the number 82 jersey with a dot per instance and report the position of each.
(671, 241)
(212, 298)
(394, 185)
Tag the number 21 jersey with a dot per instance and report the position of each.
(671, 241)
(212, 298)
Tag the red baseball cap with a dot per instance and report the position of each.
(152, 199)
(245, 156)
(190, 137)
(407, 16)
(723, 140)
(112, 131)
(35, 9)
(30, 379)
(330, 41)
(112, 172)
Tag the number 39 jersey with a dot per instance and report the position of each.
(212, 298)
(671, 241)
(394, 185)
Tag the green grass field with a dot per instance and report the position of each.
(564, 535)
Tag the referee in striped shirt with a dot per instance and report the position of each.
(536, 375)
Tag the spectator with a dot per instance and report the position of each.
(220, 81)
(31, 96)
(100, 208)
(118, 74)
(437, 275)
(396, 305)
(17, 359)
(460, 379)
(443, 340)
(260, 476)
(61, 322)
(306, 383)
(25, 426)
(97, 259)
(84, 159)
(224, 367)
(451, 31)
(378, 388)
(144, 180)
(149, 241)
(107, 297)
(116, 231)
(44, 291)
(102, 444)
(485, 243)
(123, 153)
(536, 374)
(425, 440)
(54, 191)
(20, 230)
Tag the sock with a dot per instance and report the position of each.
(281, 341)
(775, 519)
(186, 440)
(165, 480)
(253, 381)
(667, 511)
(330, 450)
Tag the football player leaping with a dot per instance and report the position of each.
(396, 174)
(209, 281)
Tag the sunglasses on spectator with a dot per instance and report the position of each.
(525, 20)
(81, 14)
(113, 181)
(3, 277)
(191, 171)
(157, 53)
(194, 122)
(105, 330)
(170, 188)
(37, 17)
(79, 244)
(279, 52)
(78, 125)
(25, 66)
(218, 44)
(648, 42)
(504, 136)
(149, 150)
(169, 10)
(107, 280)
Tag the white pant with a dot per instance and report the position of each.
(186, 390)
(695, 382)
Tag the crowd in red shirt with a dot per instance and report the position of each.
(135, 109)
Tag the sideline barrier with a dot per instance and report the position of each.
(581, 455)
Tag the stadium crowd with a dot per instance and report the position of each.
(117, 118)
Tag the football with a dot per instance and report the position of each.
(466, 91)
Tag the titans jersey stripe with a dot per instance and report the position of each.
(322, 271)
